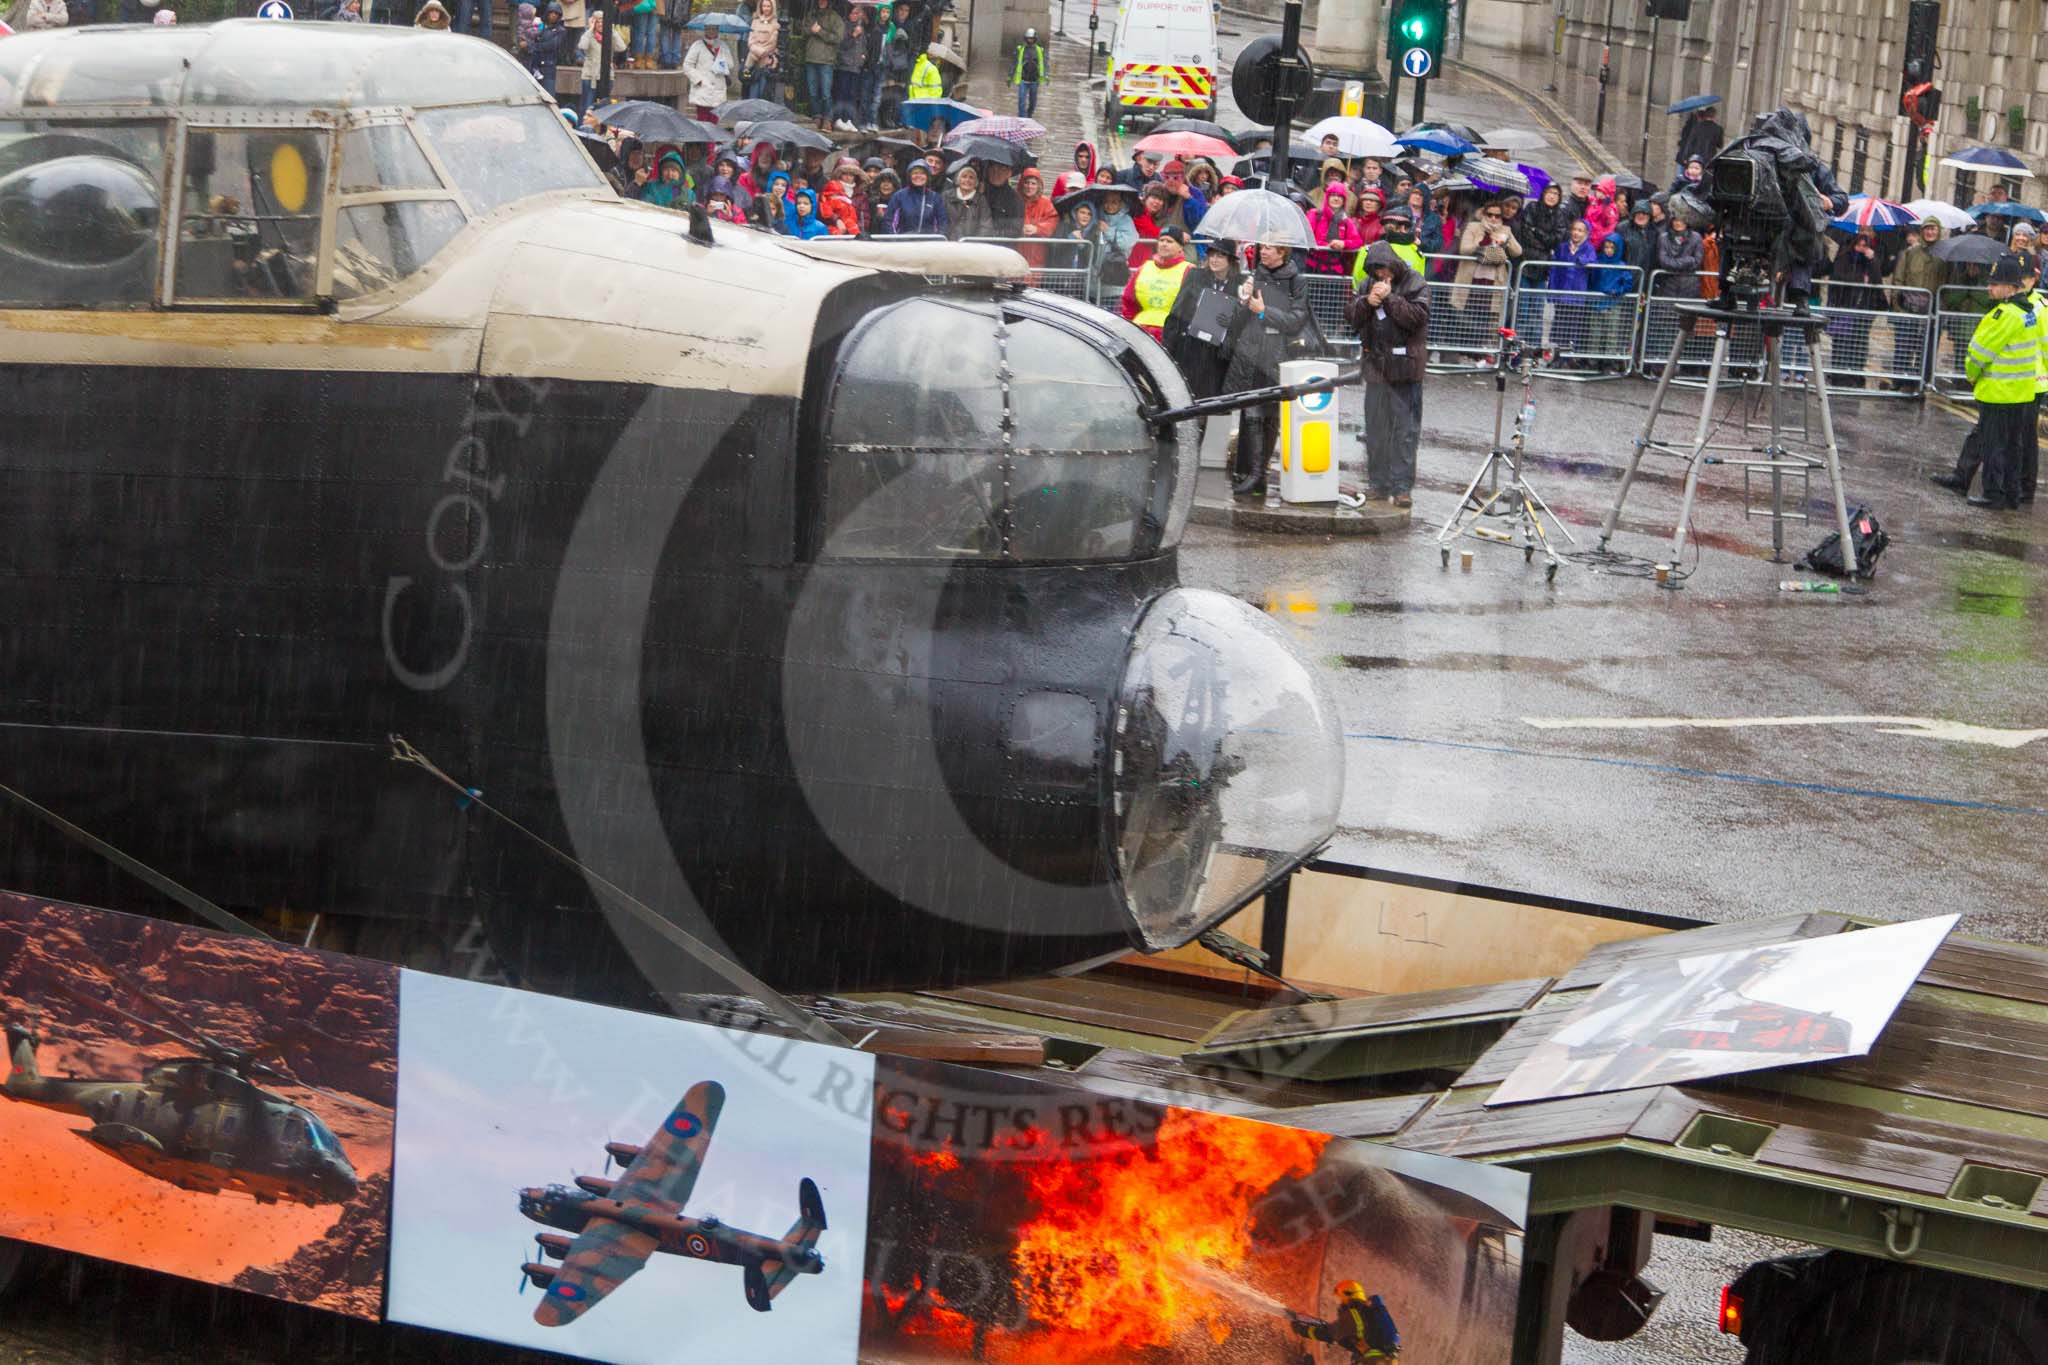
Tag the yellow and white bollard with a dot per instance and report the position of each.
(1308, 435)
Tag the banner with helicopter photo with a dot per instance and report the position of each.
(625, 1187)
(1031, 1224)
(211, 1106)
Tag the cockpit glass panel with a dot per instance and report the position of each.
(445, 70)
(498, 153)
(115, 68)
(80, 208)
(380, 244)
(250, 224)
(384, 156)
(956, 432)
(261, 63)
(321, 1136)
(1069, 396)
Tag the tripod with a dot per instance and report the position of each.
(1778, 460)
(1515, 498)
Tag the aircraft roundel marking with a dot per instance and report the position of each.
(563, 1289)
(685, 1124)
(697, 1244)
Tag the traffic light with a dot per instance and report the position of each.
(1922, 104)
(1923, 24)
(1412, 25)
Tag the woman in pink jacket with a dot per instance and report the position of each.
(1602, 217)
(1334, 228)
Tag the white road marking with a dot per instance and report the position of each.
(1918, 726)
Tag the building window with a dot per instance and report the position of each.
(1861, 165)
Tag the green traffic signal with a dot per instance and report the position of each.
(1415, 29)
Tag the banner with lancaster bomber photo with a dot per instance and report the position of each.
(207, 1105)
(1032, 1224)
(625, 1187)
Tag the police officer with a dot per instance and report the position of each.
(1363, 1326)
(2003, 366)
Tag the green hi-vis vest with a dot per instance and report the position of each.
(2004, 361)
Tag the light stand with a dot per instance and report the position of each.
(1774, 457)
(1513, 498)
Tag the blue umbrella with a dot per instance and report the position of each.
(1987, 159)
(2014, 210)
(922, 114)
(1692, 102)
(1442, 143)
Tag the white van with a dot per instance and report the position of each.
(1162, 61)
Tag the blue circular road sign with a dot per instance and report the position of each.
(273, 9)
(1415, 61)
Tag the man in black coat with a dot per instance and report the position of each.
(1391, 316)
(1276, 311)
(1700, 137)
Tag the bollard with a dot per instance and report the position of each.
(1308, 435)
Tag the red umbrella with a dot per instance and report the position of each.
(1187, 144)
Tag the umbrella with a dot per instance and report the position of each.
(1877, 215)
(1438, 141)
(1093, 194)
(1969, 248)
(1496, 175)
(1003, 126)
(1196, 125)
(1452, 184)
(753, 111)
(1355, 137)
(601, 151)
(783, 133)
(730, 23)
(922, 114)
(1988, 159)
(2025, 212)
(1537, 176)
(1185, 144)
(651, 122)
(1626, 180)
(895, 148)
(1692, 102)
(1256, 216)
(988, 149)
(1946, 214)
(1514, 140)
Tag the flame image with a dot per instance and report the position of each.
(1110, 1254)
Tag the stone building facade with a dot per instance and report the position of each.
(1836, 61)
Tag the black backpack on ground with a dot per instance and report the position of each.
(1870, 540)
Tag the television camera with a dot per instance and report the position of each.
(1771, 200)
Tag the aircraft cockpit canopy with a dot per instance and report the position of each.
(252, 163)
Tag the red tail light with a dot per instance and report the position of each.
(1731, 1312)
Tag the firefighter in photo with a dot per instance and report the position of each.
(2003, 366)
(1362, 1326)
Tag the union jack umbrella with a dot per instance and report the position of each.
(1869, 213)
(1004, 126)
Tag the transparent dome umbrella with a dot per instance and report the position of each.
(1259, 216)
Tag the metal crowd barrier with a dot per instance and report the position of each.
(1862, 344)
(1958, 308)
(1593, 331)
(1058, 266)
(1465, 319)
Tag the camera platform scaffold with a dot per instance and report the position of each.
(1513, 500)
(1776, 456)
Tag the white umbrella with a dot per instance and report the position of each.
(1948, 215)
(1259, 216)
(1514, 140)
(1355, 136)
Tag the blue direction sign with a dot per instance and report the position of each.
(1415, 61)
(273, 9)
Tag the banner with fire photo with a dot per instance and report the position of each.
(1029, 1224)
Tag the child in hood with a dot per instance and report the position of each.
(1334, 230)
(836, 209)
(1602, 215)
(1370, 206)
(802, 220)
(432, 16)
(721, 201)
(760, 163)
(671, 186)
(525, 29)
